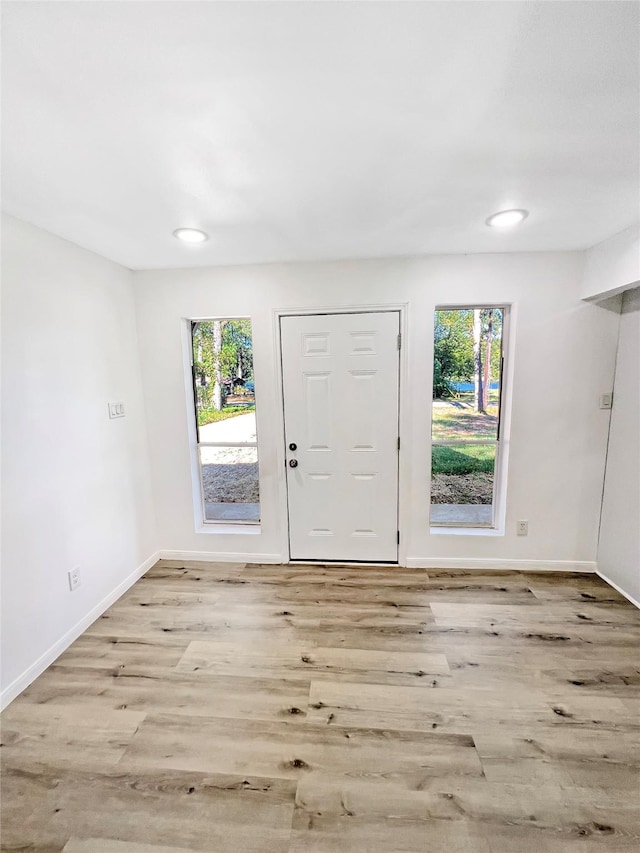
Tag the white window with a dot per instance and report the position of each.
(466, 436)
(225, 420)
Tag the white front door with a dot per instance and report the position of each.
(341, 385)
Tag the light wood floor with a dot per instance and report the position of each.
(328, 710)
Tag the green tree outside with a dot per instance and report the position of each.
(222, 362)
(455, 357)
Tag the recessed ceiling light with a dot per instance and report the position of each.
(190, 235)
(507, 218)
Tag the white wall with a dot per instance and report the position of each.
(619, 547)
(613, 265)
(75, 485)
(564, 359)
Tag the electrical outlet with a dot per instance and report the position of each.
(523, 527)
(74, 578)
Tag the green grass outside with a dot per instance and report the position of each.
(468, 397)
(456, 418)
(211, 416)
(468, 460)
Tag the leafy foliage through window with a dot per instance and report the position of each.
(223, 365)
(457, 347)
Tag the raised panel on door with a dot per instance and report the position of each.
(341, 386)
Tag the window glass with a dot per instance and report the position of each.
(467, 375)
(225, 412)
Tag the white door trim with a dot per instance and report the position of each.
(403, 415)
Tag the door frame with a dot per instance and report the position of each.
(401, 308)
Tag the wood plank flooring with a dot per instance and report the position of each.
(279, 709)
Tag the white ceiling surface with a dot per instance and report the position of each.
(293, 131)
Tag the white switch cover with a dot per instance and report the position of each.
(606, 401)
(116, 410)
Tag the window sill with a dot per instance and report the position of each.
(465, 531)
(217, 528)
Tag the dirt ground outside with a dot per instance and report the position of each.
(238, 483)
(462, 488)
(231, 483)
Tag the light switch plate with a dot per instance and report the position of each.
(606, 401)
(116, 410)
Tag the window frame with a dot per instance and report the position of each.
(498, 498)
(201, 512)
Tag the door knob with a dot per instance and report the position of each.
(293, 446)
(293, 463)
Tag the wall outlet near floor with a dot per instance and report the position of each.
(523, 527)
(74, 578)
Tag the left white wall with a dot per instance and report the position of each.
(75, 484)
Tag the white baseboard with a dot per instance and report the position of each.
(618, 589)
(412, 562)
(219, 557)
(446, 563)
(38, 667)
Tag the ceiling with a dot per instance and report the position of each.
(320, 130)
